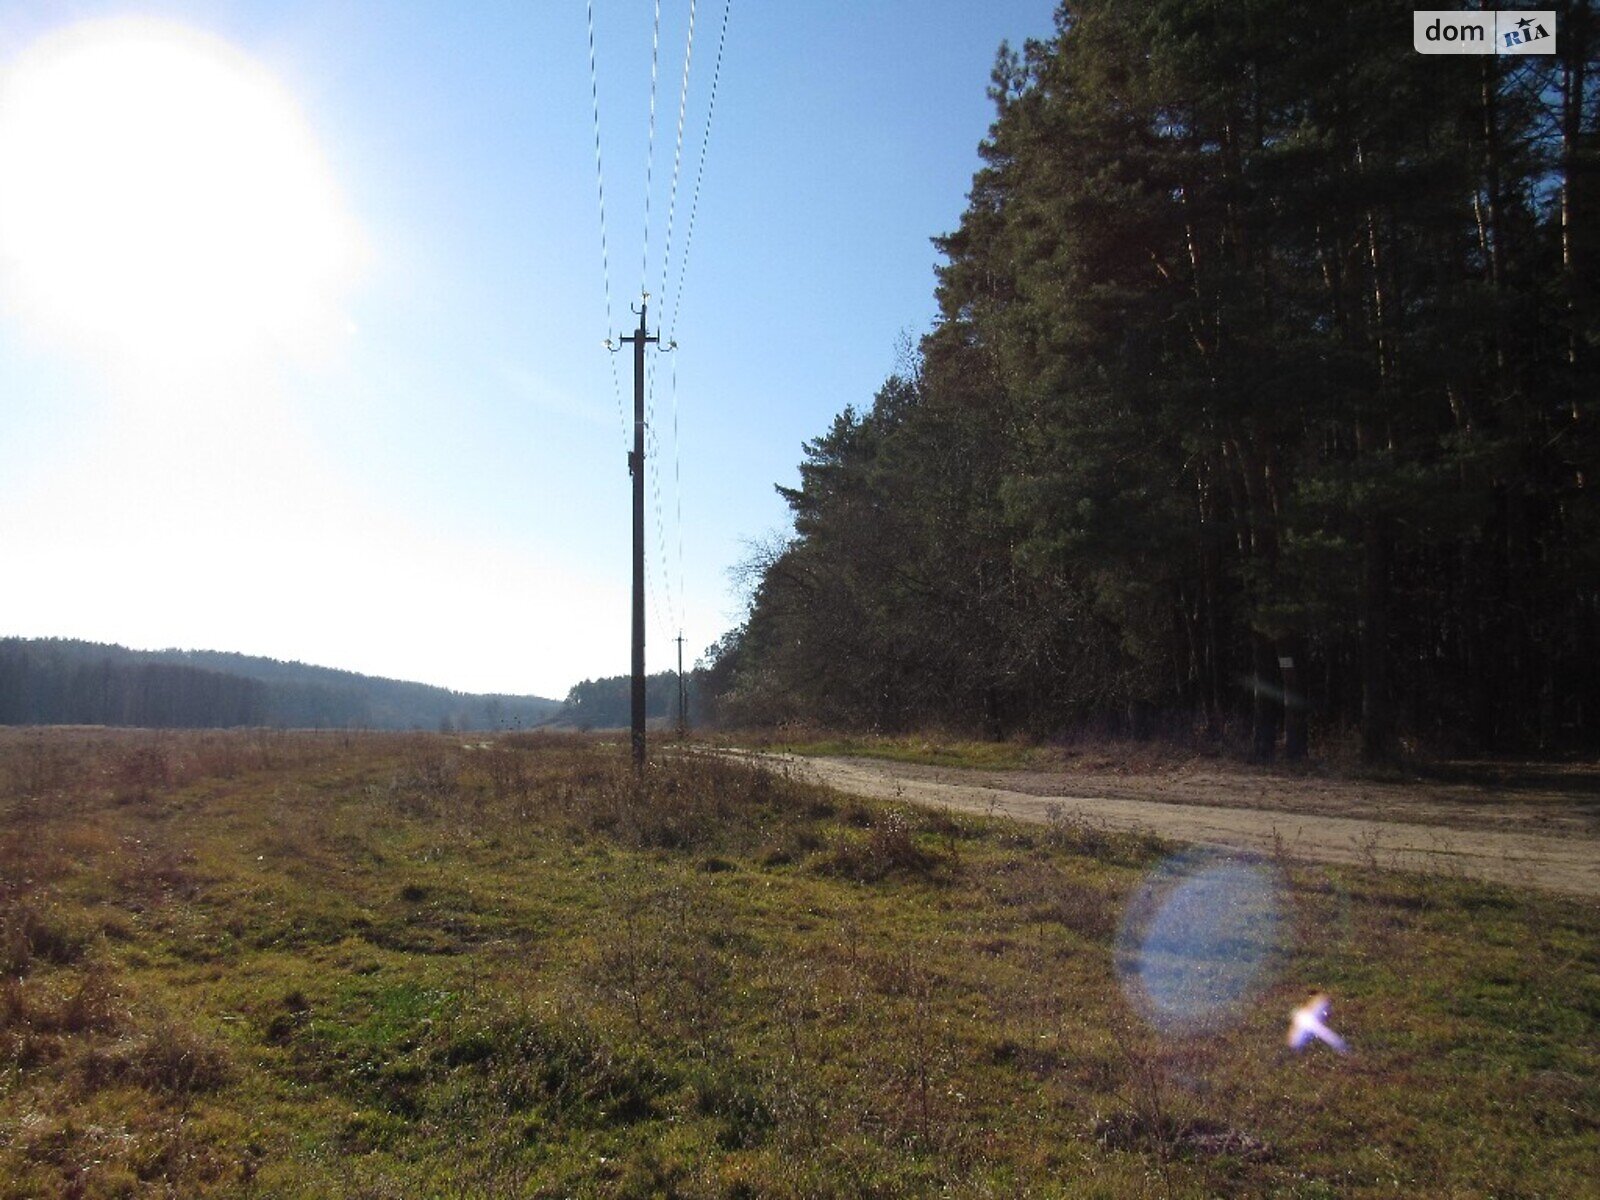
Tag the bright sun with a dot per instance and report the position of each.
(162, 199)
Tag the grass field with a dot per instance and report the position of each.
(330, 965)
(1088, 751)
(927, 751)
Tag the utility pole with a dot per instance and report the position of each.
(683, 723)
(636, 468)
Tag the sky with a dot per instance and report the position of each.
(302, 310)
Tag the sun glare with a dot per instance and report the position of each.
(164, 201)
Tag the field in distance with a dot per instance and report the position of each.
(322, 965)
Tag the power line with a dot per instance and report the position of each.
(678, 593)
(663, 625)
(677, 490)
(644, 379)
(674, 608)
(605, 250)
(677, 150)
(670, 600)
(650, 151)
(700, 172)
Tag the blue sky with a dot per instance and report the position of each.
(427, 480)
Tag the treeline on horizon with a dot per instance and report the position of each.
(55, 681)
(607, 703)
(1263, 340)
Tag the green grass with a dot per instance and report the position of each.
(927, 750)
(386, 966)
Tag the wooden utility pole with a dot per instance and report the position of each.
(683, 723)
(636, 468)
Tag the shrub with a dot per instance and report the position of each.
(28, 934)
(174, 1059)
(889, 848)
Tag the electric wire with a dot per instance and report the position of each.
(650, 150)
(668, 593)
(670, 597)
(677, 294)
(665, 612)
(665, 593)
(678, 592)
(677, 493)
(674, 589)
(658, 595)
(700, 172)
(653, 489)
(605, 249)
(677, 151)
(655, 609)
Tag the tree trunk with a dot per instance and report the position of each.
(1264, 707)
(1377, 717)
(1294, 701)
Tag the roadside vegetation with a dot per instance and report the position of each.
(337, 965)
(933, 750)
(1087, 749)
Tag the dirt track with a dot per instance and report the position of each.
(1543, 832)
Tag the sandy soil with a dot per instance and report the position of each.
(1535, 827)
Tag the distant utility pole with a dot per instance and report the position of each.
(683, 723)
(636, 468)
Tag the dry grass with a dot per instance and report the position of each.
(336, 965)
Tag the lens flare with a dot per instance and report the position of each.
(1199, 939)
(1310, 1021)
(1255, 684)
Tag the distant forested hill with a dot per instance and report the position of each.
(63, 682)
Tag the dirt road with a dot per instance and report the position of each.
(1543, 834)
